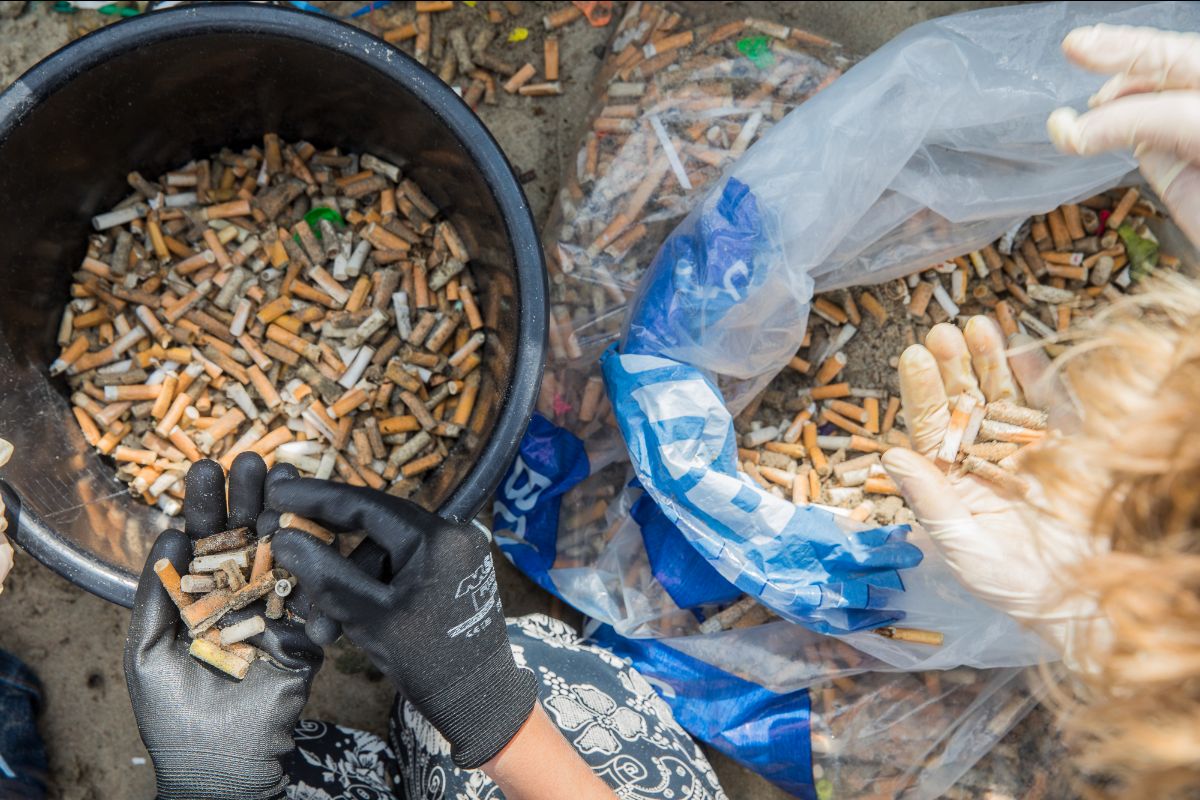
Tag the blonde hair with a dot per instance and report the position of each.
(1134, 377)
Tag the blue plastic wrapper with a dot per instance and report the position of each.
(796, 559)
(762, 730)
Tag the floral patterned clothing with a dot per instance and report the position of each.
(604, 707)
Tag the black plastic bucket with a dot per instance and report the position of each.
(152, 93)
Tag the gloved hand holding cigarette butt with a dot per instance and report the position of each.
(435, 628)
(968, 414)
(1151, 104)
(211, 735)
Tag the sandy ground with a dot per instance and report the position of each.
(73, 640)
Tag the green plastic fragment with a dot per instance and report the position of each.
(824, 789)
(758, 50)
(316, 215)
(1143, 253)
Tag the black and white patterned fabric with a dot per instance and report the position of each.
(603, 706)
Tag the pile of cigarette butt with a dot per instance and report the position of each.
(816, 436)
(309, 306)
(474, 67)
(228, 573)
(674, 106)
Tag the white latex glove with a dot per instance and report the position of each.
(1151, 104)
(6, 550)
(1003, 550)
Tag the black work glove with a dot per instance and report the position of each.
(212, 737)
(435, 627)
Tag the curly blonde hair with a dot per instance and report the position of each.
(1134, 721)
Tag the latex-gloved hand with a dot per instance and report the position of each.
(1151, 104)
(1001, 548)
(212, 737)
(435, 628)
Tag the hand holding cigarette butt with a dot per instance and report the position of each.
(435, 628)
(212, 737)
(964, 400)
(1151, 104)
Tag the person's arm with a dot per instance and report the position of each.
(539, 763)
(430, 619)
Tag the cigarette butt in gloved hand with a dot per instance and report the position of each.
(1000, 547)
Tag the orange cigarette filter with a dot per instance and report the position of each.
(831, 368)
(169, 577)
(829, 391)
(873, 307)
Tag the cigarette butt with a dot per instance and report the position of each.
(880, 484)
(997, 431)
(91, 433)
(960, 416)
(873, 307)
(799, 489)
(423, 464)
(550, 52)
(547, 89)
(215, 656)
(1126, 204)
(199, 612)
(863, 511)
(829, 391)
(793, 430)
(1073, 220)
(134, 455)
(871, 407)
(849, 410)
(889, 416)
(913, 635)
(166, 394)
(350, 400)
(831, 368)
(563, 16)
(1009, 481)
(241, 631)
(830, 311)
(182, 441)
(777, 476)
(169, 577)
(992, 451)
(920, 298)
(1058, 230)
(520, 78)
(197, 584)
(290, 520)
(1004, 317)
(221, 542)
(814, 485)
(401, 34)
(800, 365)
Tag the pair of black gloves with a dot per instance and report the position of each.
(418, 596)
